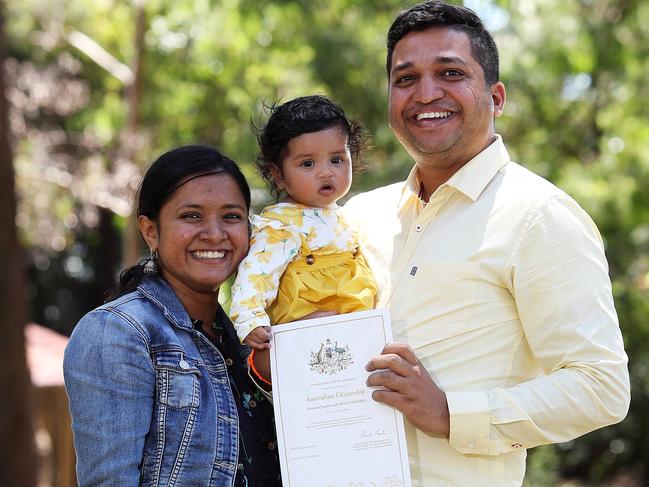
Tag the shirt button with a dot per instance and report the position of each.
(418, 228)
(271, 445)
(310, 259)
(252, 403)
(471, 445)
(184, 364)
(228, 362)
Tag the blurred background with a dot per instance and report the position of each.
(96, 89)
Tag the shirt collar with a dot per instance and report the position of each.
(158, 291)
(471, 179)
(410, 190)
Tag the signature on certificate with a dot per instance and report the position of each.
(372, 433)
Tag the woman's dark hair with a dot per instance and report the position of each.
(426, 15)
(299, 116)
(170, 171)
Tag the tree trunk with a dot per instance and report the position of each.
(17, 455)
(132, 244)
(106, 265)
(110, 238)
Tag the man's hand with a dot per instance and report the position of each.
(410, 389)
(318, 314)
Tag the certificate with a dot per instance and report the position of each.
(330, 431)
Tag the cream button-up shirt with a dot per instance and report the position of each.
(500, 285)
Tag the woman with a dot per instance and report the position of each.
(159, 393)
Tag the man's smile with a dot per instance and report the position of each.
(443, 114)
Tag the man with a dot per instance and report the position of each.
(495, 279)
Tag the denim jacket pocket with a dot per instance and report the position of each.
(177, 380)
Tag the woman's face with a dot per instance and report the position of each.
(201, 234)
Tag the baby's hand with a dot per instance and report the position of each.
(258, 338)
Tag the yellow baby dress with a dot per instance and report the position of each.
(301, 259)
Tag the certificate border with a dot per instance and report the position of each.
(335, 320)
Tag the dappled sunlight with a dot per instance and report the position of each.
(98, 89)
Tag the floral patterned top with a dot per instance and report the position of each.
(258, 460)
(281, 234)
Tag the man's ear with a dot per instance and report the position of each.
(149, 231)
(498, 95)
(278, 176)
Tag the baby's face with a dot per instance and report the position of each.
(317, 169)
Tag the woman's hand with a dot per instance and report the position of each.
(261, 362)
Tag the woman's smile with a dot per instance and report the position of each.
(208, 254)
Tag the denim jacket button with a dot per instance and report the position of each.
(228, 362)
(183, 364)
(252, 403)
(271, 445)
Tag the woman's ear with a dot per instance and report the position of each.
(149, 231)
(278, 177)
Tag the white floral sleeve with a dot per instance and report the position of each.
(273, 246)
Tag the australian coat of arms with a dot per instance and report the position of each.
(330, 358)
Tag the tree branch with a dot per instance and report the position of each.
(103, 58)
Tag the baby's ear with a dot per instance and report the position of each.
(277, 174)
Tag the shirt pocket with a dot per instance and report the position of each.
(435, 301)
(177, 380)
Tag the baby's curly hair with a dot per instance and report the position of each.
(299, 116)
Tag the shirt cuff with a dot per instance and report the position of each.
(470, 421)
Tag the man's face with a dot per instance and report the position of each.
(440, 108)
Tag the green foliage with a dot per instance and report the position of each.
(577, 116)
(576, 72)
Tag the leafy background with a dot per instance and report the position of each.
(98, 88)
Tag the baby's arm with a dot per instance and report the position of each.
(255, 288)
(259, 338)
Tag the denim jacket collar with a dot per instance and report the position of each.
(158, 291)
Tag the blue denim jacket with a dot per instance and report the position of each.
(150, 397)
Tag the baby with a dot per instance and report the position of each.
(303, 256)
